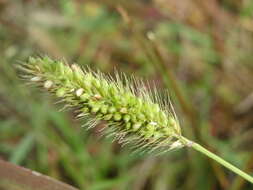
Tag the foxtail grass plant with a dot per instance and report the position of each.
(132, 113)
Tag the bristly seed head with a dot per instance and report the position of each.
(132, 113)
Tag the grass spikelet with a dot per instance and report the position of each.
(130, 110)
(133, 114)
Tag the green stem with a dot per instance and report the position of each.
(218, 159)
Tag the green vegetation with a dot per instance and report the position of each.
(202, 54)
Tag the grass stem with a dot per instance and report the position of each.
(221, 161)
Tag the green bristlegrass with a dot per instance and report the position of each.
(132, 113)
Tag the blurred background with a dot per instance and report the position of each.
(200, 51)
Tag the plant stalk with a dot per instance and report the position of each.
(218, 159)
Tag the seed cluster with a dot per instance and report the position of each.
(129, 114)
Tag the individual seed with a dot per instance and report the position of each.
(48, 84)
(123, 110)
(141, 116)
(112, 110)
(97, 96)
(35, 79)
(79, 92)
(128, 126)
(126, 118)
(60, 92)
(108, 117)
(117, 116)
(136, 126)
(104, 109)
(95, 109)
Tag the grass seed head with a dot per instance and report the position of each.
(132, 113)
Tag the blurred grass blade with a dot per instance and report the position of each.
(109, 184)
(21, 151)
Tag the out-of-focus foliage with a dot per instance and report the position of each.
(200, 50)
